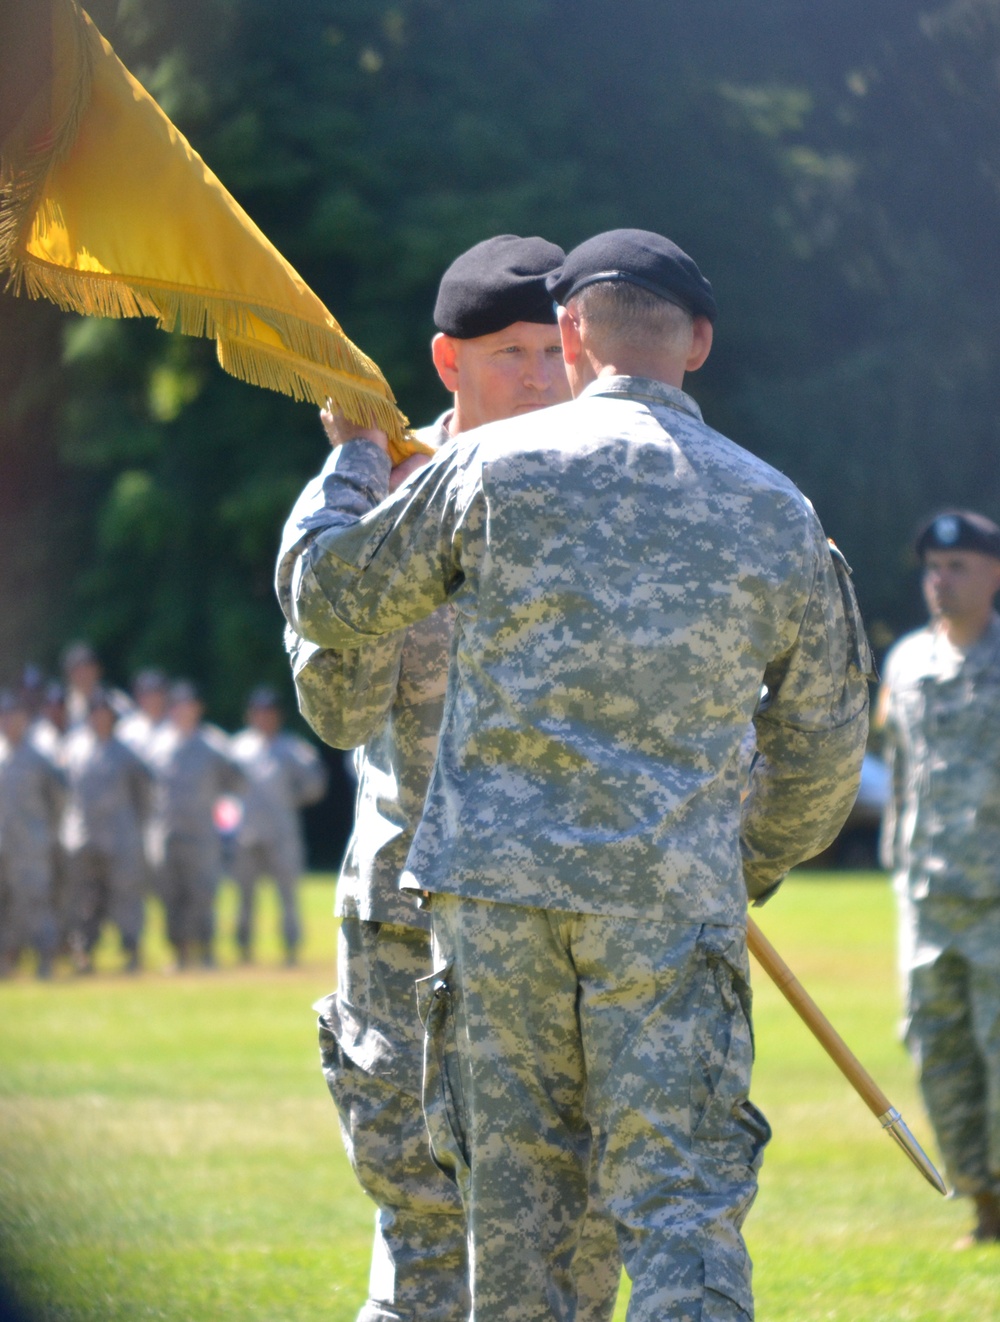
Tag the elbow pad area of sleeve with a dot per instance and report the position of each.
(311, 613)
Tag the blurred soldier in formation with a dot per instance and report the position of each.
(940, 708)
(32, 792)
(109, 800)
(32, 690)
(50, 723)
(82, 672)
(283, 775)
(47, 732)
(138, 727)
(192, 770)
(624, 580)
(498, 353)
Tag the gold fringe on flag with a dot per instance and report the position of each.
(107, 210)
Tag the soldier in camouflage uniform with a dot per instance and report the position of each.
(83, 673)
(48, 726)
(32, 793)
(138, 728)
(624, 580)
(283, 775)
(192, 769)
(109, 800)
(497, 350)
(940, 707)
(48, 734)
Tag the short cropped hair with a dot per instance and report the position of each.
(619, 312)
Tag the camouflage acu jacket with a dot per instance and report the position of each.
(190, 773)
(110, 794)
(942, 722)
(625, 580)
(32, 797)
(385, 697)
(281, 775)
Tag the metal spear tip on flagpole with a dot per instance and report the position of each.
(839, 1052)
(895, 1125)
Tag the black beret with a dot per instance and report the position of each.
(32, 679)
(11, 702)
(263, 698)
(494, 284)
(959, 530)
(150, 680)
(78, 654)
(183, 691)
(640, 257)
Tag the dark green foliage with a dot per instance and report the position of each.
(834, 169)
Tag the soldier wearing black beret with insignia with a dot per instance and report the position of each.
(940, 708)
(624, 581)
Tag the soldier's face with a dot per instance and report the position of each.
(14, 725)
(960, 584)
(186, 715)
(56, 713)
(153, 702)
(515, 370)
(102, 722)
(265, 719)
(84, 677)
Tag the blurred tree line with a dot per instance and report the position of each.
(833, 168)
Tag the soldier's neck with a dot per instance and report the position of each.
(964, 631)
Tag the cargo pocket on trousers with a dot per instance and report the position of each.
(722, 1048)
(334, 1062)
(755, 1126)
(444, 1110)
(728, 1290)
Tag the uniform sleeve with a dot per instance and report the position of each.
(140, 786)
(345, 695)
(811, 733)
(56, 793)
(344, 662)
(308, 773)
(353, 569)
(229, 775)
(888, 845)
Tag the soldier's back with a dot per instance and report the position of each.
(630, 575)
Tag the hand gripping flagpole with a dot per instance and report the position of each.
(839, 1052)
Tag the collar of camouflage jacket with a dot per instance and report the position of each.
(644, 389)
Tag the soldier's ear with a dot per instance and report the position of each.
(701, 343)
(444, 353)
(569, 333)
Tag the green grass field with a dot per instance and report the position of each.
(168, 1149)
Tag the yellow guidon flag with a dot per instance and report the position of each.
(107, 210)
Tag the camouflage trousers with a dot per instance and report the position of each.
(106, 885)
(546, 1027)
(281, 860)
(371, 1046)
(950, 953)
(188, 879)
(27, 916)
